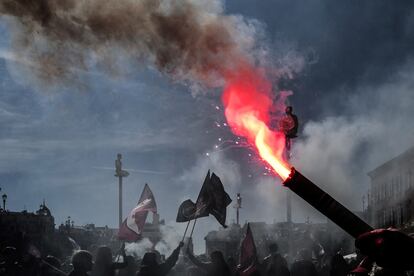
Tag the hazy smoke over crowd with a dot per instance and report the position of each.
(138, 249)
(189, 40)
(169, 241)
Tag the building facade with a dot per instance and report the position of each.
(33, 225)
(391, 196)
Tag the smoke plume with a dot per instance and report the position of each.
(188, 40)
(170, 240)
(138, 249)
(338, 151)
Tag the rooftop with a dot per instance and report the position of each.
(404, 158)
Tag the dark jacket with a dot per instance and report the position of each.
(160, 269)
(275, 264)
(303, 268)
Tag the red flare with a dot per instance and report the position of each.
(247, 100)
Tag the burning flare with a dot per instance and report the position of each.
(247, 100)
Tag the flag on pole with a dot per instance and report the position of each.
(219, 200)
(212, 199)
(204, 198)
(248, 254)
(189, 210)
(131, 228)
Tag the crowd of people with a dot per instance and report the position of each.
(383, 252)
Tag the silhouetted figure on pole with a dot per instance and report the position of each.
(217, 266)
(289, 124)
(150, 266)
(103, 263)
(82, 263)
(274, 264)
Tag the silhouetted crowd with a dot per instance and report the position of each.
(384, 252)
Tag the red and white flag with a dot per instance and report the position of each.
(131, 228)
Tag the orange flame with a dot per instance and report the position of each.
(247, 104)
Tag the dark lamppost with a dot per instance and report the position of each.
(238, 207)
(4, 201)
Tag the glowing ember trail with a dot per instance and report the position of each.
(247, 100)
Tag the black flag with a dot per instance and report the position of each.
(204, 198)
(219, 200)
(212, 199)
(189, 210)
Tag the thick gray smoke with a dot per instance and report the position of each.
(338, 151)
(189, 40)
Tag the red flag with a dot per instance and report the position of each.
(131, 228)
(248, 254)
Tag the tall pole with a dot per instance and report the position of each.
(289, 207)
(289, 125)
(289, 194)
(120, 174)
(120, 200)
(238, 206)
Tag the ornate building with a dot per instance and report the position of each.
(26, 230)
(391, 197)
(33, 225)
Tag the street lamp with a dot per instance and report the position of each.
(4, 201)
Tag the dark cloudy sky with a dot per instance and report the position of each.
(353, 94)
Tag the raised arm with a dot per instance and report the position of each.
(195, 261)
(171, 260)
(119, 265)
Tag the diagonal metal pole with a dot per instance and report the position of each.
(185, 232)
(192, 230)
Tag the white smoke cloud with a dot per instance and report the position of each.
(170, 240)
(138, 249)
(228, 170)
(338, 152)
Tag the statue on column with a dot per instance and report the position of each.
(118, 167)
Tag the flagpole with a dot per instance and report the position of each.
(185, 232)
(192, 230)
(54, 268)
